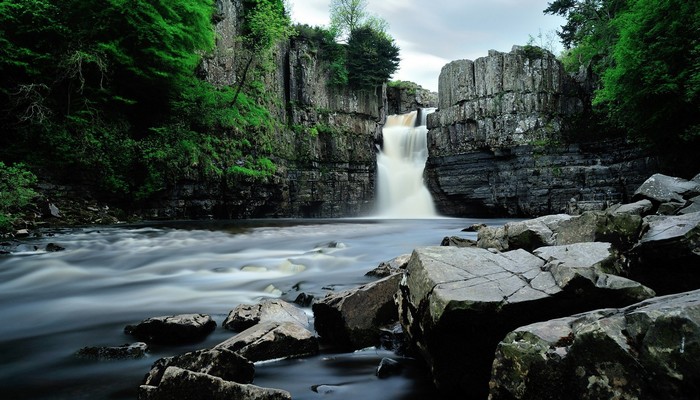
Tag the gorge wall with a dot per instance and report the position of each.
(497, 144)
(324, 144)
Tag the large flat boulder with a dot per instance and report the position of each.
(246, 315)
(272, 340)
(455, 303)
(352, 319)
(662, 189)
(649, 350)
(181, 384)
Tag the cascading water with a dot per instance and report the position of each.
(401, 192)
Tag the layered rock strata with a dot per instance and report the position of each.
(496, 144)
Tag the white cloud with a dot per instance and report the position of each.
(431, 34)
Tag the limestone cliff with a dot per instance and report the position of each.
(497, 144)
(404, 97)
(324, 145)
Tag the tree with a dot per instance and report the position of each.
(372, 57)
(348, 15)
(588, 34)
(653, 89)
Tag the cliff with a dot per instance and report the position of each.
(498, 143)
(324, 141)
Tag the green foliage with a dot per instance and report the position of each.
(15, 191)
(589, 31)
(410, 87)
(653, 90)
(371, 59)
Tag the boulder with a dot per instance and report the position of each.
(693, 205)
(246, 315)
(181, 384)
(177, 329)
(667, 255)
(455, 304)
(621, 229)
(393, 266)
(222, 363)
(662, 189)
(457, 241)
(646, 351)
(641, 208)
(528, 234)
(127, 351)
(351, 319)
(271, 340)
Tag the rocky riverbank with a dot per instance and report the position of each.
(596, 305)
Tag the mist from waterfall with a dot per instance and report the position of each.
(401, 191)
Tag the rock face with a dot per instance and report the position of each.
(495, 144)
(404, 97)
(646, 351)
(324, 147)
(221, 363)
(456, 303)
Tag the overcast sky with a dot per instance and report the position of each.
(432, 33)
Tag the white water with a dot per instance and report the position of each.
(401, 192)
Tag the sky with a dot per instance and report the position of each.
(431, 33)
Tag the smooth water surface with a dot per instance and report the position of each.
(53, 304)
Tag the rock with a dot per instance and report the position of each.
(221, 363)
(474, 228)
(671, 236)
(53, 247)
(646, 351)
(621, 229)
(692, 206)
(22, 233)
(666, 189)
(177, 329)
(390, 267)
(178, 383)
(246, 315)
(667, 255)
(270, 340)
(457, 303)
(388, 368)
(127, 351)
(641, 208)
(304, 300)
(351, 319)
(457, 241)
(52, 211)
(392, 337)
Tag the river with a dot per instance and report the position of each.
(54, 303)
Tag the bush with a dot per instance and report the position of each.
(15, 191)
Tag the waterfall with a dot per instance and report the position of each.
(401, 192)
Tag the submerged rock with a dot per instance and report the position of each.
(176, 329)
(646, 351)
(457, 303)
(127, 351)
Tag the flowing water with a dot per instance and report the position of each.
(401, 190)
(54, 303)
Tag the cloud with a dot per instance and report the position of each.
(431, 34)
